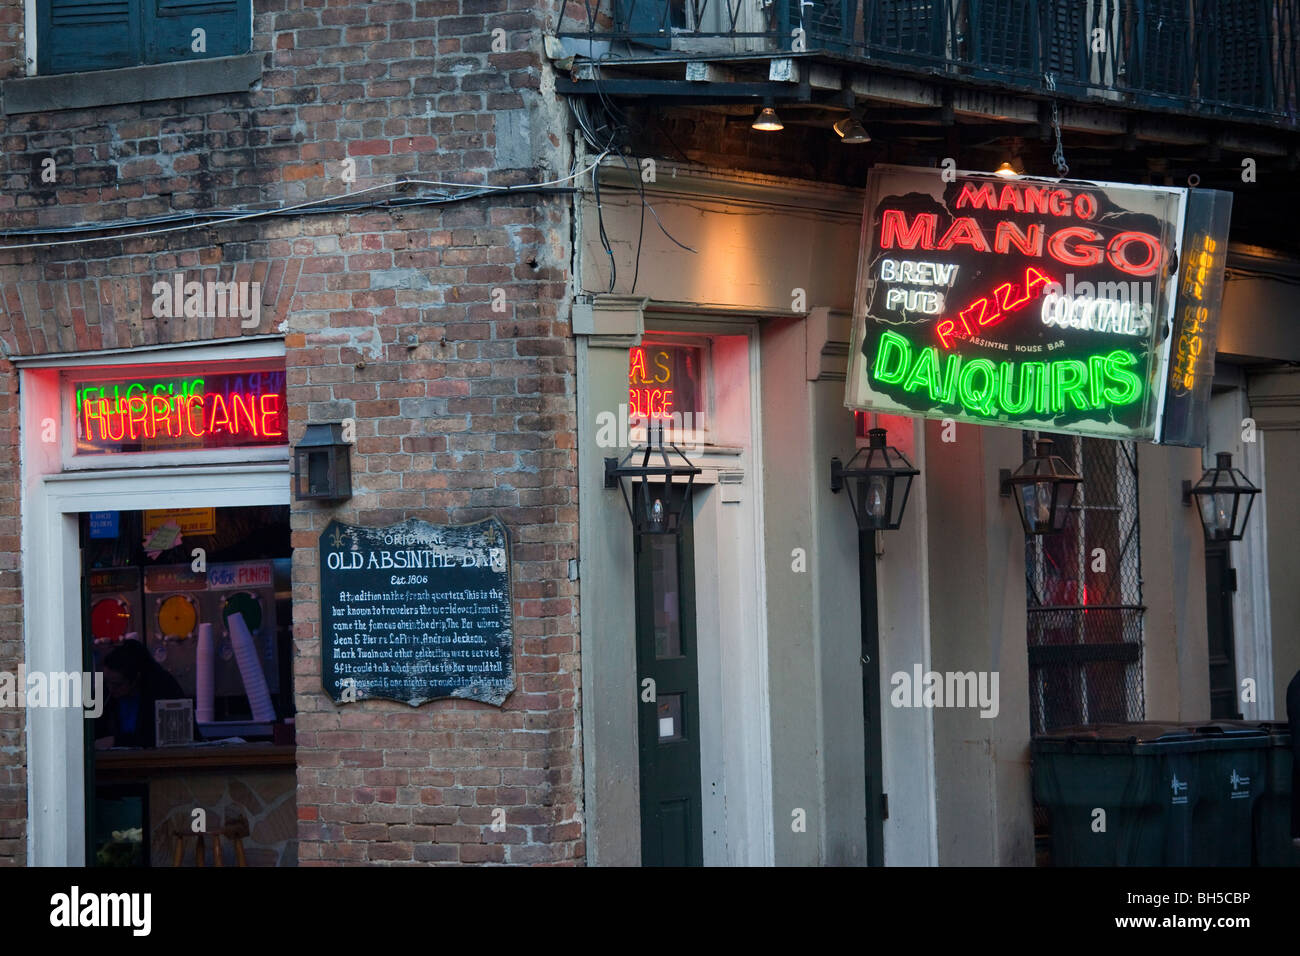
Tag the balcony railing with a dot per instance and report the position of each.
(1236, 58)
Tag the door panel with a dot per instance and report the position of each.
(1218, 618)
(668, 726)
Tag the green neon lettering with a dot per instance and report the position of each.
(980, 400)
(1130, 386)
(1029, 371)
(923, 373)
(982, 386)
(891, 344)
(1067, 377)
(952, 367)
(1096, 379)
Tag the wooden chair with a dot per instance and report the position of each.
(235, 831)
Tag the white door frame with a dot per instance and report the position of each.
(52, 618)
(51, 562)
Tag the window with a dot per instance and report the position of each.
(1084, 595)
(74, 36)
(180, 413)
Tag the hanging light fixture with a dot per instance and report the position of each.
(878, 486)
(1044, 487)
(1219, 494)
(767, 120)
(654, 503)
(1006, 171)
(850, 129)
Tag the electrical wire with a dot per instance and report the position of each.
(312, 206)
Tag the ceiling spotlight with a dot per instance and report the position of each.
(851, 130)
(768, 121)
(1006, 171)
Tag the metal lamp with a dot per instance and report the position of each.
(1219, 494)
(322, 465)
(878, 484)
(1044, 487)
(647, 487)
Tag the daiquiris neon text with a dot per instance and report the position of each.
(987, 388)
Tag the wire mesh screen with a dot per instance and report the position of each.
(1084, 595)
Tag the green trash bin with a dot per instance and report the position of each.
(1151, 794)
(1272, 824)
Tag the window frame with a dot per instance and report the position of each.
(1127, 566)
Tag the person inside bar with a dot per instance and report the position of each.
(134, 681)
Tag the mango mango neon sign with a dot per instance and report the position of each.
(989, 388)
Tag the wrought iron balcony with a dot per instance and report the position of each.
(1232, 58)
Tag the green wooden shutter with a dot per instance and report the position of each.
(77, 35)
(170, 26)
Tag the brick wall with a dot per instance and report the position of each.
(462, 410)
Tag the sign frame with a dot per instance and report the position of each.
(1093, 221)
(448, 546)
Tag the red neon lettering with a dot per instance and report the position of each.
(966, 231)
(983, 306)
(1036, 200)
(895, 231)
(1085, 207)
(1034, 278)
(244, 406)
(1115, 253)
(1003, 295)
(1010, 199)
(977, 314)
(272, 429)
(159, 410)
(981, 198)
(1029, 242)
(85, 421)
(1085, 256)
(1059, 202)
(637, 373)
(651, 402)
(219, 415)
(137, 415)
(191, 403)
(108, 417)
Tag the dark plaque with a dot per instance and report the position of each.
(416, 612)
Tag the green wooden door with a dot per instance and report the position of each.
(669, 714)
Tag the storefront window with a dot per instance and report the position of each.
(1085, 595)
(182, 408)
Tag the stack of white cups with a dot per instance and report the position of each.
(250, 668)
(204, 665)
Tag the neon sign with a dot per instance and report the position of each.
(662, 380)
(1195, 331)
(1191, 341)
(210, 409)
(1036, 303)
(989, 310)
